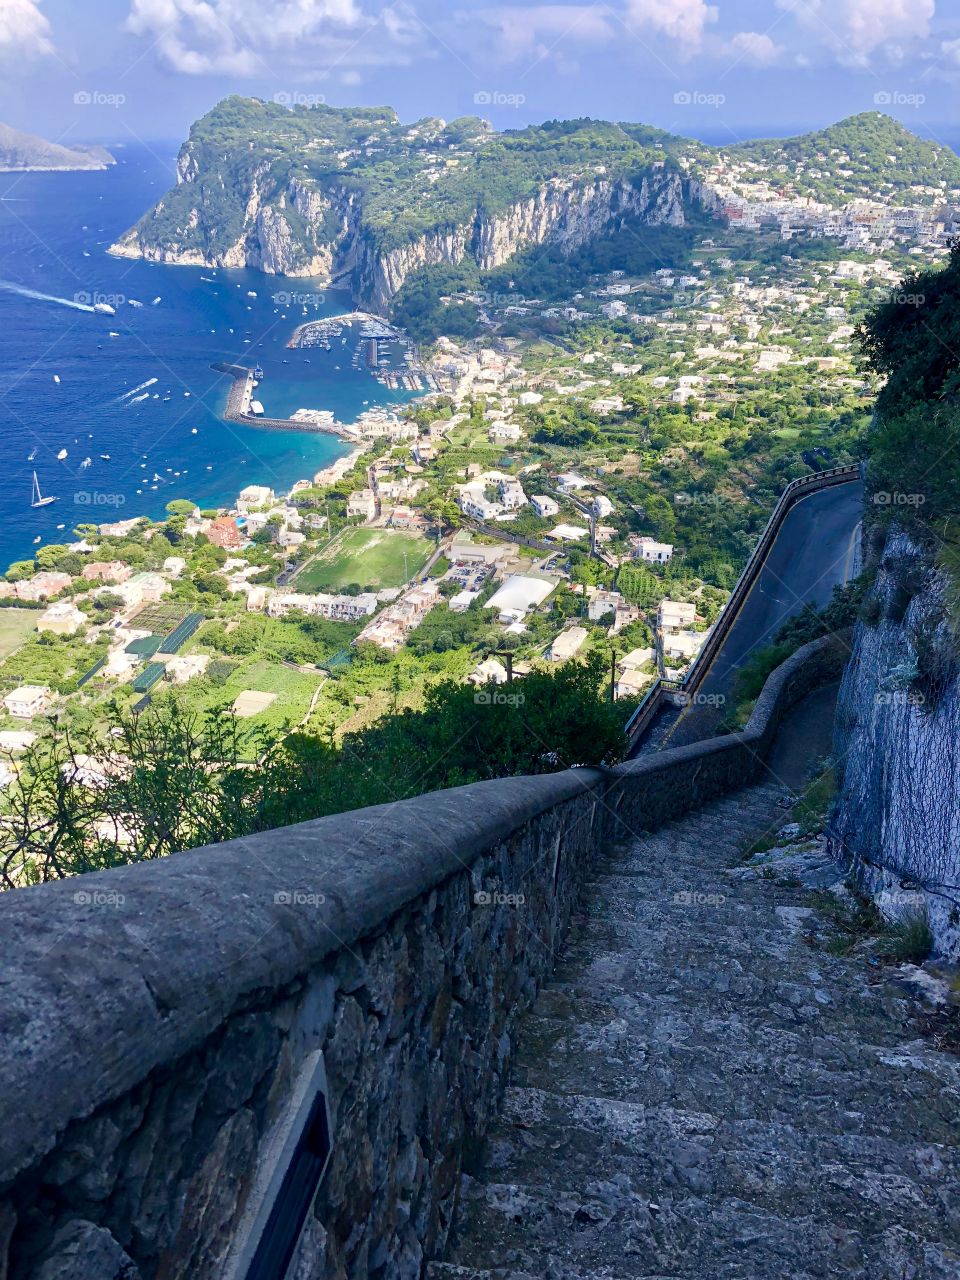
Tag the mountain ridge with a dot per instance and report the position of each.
(356, 196)
(27, 152)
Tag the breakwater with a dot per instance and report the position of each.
(238, 407)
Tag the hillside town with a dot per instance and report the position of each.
(587, 478)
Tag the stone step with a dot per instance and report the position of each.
(870, 1182)
(605, 1224)
(834, 1083)
(699, 1093)
(681, 980)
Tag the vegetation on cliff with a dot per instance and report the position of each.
(913, 341)
(171, 780)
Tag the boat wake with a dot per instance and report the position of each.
(133, 390)
(9, 287)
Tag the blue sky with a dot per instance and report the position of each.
(129, 69)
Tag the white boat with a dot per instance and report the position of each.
(37, 499)
(85, 463)
(32, 454)
(156, 302)
(105, 457)
(61, 455)
(104, 309)
(56, 377)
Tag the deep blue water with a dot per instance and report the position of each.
(54, 232)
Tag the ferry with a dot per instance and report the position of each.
(37, 499)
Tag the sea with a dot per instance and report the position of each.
(138, 385)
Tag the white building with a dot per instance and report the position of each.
(28, 701)
(602, 506)
(567, 644)
(570, 482)
(504, 432)
(62, 619)
(652, 551)
(675, 615)
(602, 603)
(362, 503)
(254, 495)
(544, 506)
(518, 596)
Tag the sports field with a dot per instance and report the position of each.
(15, 626)
(371, 558)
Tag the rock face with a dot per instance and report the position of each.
(898, 747)
(302, 231)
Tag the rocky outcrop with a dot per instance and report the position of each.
(898, 746)
(565, 213)
(302, 230)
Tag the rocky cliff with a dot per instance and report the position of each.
(565, 213)
(898, 745)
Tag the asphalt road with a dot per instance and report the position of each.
(814, 552)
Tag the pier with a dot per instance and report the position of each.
(238, 407)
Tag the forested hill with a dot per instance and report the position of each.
(868, 156)
(356, 194)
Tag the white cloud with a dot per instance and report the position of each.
(534, 31)
(236, 37)
(756, 48)
(683, 21)
(854, 30)
(23, 28)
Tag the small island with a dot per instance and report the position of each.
(26, 153)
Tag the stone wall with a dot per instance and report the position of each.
(154, 1017)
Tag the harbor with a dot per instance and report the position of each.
(385, 351)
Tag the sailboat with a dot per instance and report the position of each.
(37, 500)
(32, 454)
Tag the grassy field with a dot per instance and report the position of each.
(294, 690)
(15, 626)
(369, 557)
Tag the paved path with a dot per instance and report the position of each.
(700, 1093)
(814, 552)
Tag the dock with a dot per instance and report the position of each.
(238, 407)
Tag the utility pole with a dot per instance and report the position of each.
(507, 655)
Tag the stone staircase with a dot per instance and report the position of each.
(699, 1092)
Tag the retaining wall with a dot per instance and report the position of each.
(153, 1018)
